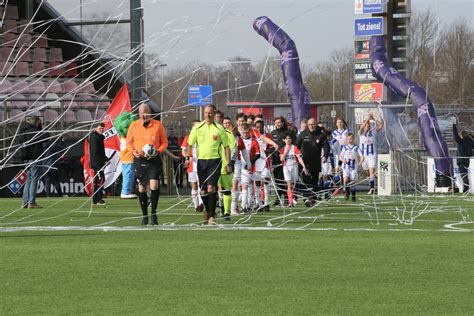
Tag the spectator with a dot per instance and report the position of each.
(54, 153)
(465, 144)
(98, 160)
(32, 139)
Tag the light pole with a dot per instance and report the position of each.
(162, 66)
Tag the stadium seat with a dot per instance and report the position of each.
(70, 117)
(8, 39)
(23, 105)
(55, 100)
(21, 86)
(5, 87)
(104, 104)
(54, 86)
(71, 70)
(38, 68)
(84, 116)
(39, 54)
(37, 86)
(55, 69)
(17, 115)
(41, 41)
(5, 68)
(24, 40)
(24, 54)
(5, 53)
(34, 100)
(25, 27)
(12, 12)
(21, 69)
(70, 86)
(10, 26)
(50, 115)
(87, 87)
(56, 54)
(100, 115)
(2, 114)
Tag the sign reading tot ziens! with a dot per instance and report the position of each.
(369, 27)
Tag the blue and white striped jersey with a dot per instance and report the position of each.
(339, 139)
(349, 154)
(367, 142)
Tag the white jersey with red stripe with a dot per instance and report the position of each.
(252, 147)
(193, 161)
(264, 161)
(291, 156)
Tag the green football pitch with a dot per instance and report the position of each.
(379, 255)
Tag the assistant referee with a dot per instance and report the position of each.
(210, 137)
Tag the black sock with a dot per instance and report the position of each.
(212, 201)
(205, 200)
(154, 196)
(143, 198)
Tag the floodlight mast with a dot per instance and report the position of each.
(137, 80)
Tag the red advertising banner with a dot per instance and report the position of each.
(368, 92)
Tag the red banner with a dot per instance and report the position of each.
(368, 92)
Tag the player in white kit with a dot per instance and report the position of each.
(290, 156)
(367, 133)
(351, 156)
(339, 140)
(192, 173)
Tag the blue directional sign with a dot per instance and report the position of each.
(369, 27)
(369, 6)
(199, 95)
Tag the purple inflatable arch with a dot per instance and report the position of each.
(432, 137)
(290, 66)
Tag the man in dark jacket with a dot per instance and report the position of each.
(312, 142)
(465, 144)
(278, 134)
(32, 139)
(98, 159)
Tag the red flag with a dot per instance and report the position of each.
(88, 172)
(113, 168)
(120, 104)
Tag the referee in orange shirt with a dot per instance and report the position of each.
(147, 130)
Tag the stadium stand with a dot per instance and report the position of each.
(33, 62)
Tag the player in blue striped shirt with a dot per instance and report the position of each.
(351, 156)
(367, 133)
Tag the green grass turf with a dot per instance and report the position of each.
(360, 266)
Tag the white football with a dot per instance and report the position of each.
(148, 151)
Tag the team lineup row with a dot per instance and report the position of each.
(228, 163)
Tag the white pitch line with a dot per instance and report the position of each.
(210, 228)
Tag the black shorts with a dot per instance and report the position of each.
(146, 170)
(209, 171)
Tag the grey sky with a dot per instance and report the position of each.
(213, 31)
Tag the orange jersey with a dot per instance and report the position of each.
(139, 135)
